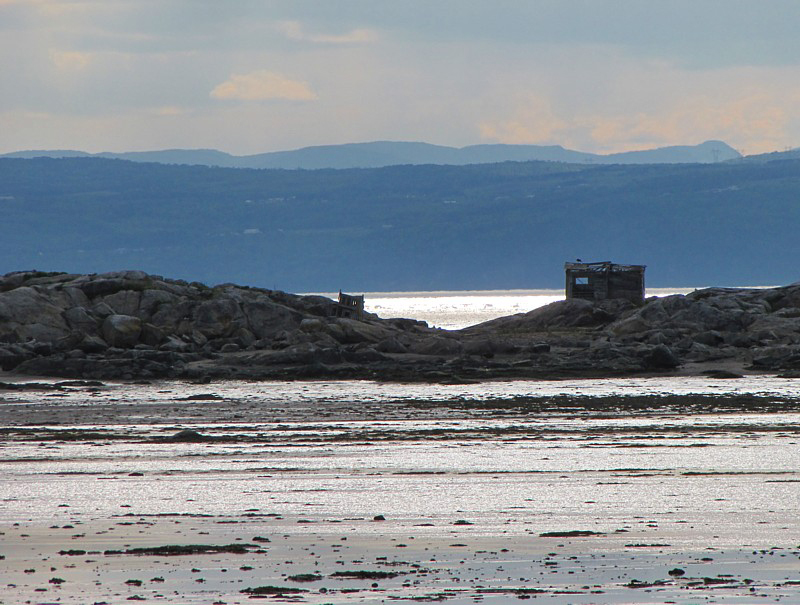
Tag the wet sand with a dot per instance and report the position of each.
(338, 562)
(559, 498)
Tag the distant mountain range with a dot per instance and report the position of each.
(387, 153)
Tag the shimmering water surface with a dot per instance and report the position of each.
(456, 310)
(453, 310)
(489, 452)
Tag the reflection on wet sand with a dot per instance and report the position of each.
(571, 492)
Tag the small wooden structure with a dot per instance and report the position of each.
(349, 305)
(600, 281)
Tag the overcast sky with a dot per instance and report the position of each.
(247, 76)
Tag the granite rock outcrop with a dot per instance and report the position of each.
(131, 325)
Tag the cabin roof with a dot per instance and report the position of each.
(603, 266)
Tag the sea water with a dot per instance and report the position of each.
(453, 310)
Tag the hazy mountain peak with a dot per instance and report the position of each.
(376, 154)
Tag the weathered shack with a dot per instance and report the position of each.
(604, 280)
(349, 305)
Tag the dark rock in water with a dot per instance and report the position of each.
(202, 397)
(676, 572)
(305, 577)
(576, 533)
(189, 436)
(173, 550)
(272, 590)
(80, 383)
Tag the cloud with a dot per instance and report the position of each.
(756, 120)
(533, 122)
(66, 60)
(294, 31)
(263, 85)
(60, 9)
(168, 111)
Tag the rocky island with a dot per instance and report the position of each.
(132, 325)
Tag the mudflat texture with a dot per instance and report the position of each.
(620, 491)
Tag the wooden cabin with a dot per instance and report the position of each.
(604, 280)
(349, 305)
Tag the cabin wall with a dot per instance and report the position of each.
(601, 285)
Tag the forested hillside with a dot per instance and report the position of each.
(508, 225)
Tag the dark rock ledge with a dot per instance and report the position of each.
(131, 325)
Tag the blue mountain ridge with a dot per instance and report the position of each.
(378, 154)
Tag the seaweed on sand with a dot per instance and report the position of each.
(171, 550)
(365, 575)
(272, 590)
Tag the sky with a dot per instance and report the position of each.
(250, 76)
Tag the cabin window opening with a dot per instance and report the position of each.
(581, 281)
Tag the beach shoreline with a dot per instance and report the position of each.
(560, 492)
(344, 563)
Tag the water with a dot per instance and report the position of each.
(456, 310)
(424, 452)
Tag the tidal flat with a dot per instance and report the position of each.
(673, 490)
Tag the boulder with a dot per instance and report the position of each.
(391, 345)
(312, 325)
(218, 318)
(151, 335)
(29, 313)
(171, 316)
(78, 318)
(354, 331)
(299, 354)
(122, 331)
(265, 318)
(538, 348)
(101, 310)
(479, 346)
(660, 357)
(124, 302)
(151, 300)
(92, 344)
(175, 345)
(110, 283)
(11, 356)
(710, 338)
(364, 354)
(437, 345)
